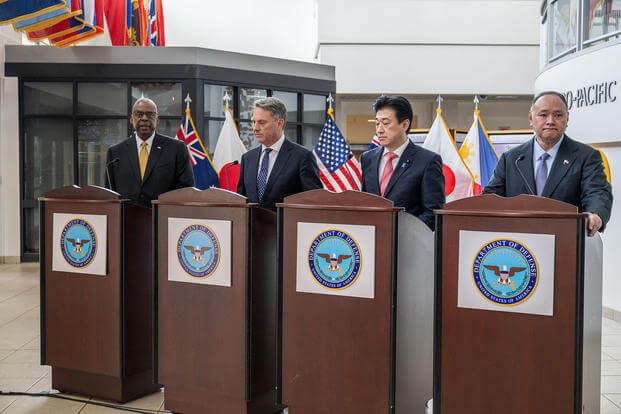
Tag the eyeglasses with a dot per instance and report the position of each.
(140, 114)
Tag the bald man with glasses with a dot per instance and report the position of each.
(147, 164)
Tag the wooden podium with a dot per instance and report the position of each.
(94, 327)
(216, 344)
(509, 355)
(361, 346)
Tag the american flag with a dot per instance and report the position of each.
(338, 168)
(205, 175)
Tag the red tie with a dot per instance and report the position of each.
(388, 170)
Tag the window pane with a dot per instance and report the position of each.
(246, 135)
(602, 17)
(95, 136)
(48, 155)
(167, 96)
(214, 104)
(247, 98)
(169, 127)
(314, 109)
(48, 98)
(31, 230)
(563, 26)
(291, 132)
(211, 134)
(291, 102)
(310, 136)
(102, 98)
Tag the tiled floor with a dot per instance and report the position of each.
(19, 351)
(20, 369)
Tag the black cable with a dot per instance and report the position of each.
(64, 397)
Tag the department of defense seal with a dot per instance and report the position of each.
(198, 250)
(78, 243)
(505, 272)
(334, 259)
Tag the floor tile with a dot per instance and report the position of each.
(614, 352)
(608, 407)
(611, 367)
(611, 340)
(615, 398)
(23, 356)
(34, 344)
(23, 370)
(611, 384)
(43, 405)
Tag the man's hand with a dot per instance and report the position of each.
(594, 223)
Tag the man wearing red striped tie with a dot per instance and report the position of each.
(407, 174)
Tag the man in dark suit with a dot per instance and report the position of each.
(278, 167)
(407, 174)
(147, 164)
(555, 166)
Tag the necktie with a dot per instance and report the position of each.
(542, 173)
(143, 157)
(262, 180)
(388, 170)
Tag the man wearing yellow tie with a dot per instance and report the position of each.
(147, 164)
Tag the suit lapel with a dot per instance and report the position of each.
(526, 165)
(281, 160)
(253, 169)
(564, 158)
(154, 156)
(132, 154)
(372, 171)
(405, 162)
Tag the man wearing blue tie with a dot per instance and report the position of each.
(278, 167)
(407, 174)
(555, 166)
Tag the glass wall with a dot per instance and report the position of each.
(573, 25)
(303, 125)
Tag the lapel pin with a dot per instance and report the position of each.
(565, 162)
(405, 164)
(158, 147)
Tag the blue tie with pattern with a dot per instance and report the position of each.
(262, 180)
(542, 173)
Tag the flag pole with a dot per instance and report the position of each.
(440, 99)
(476, 102)
(227, 99)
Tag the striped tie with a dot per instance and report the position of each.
(262, 180)
(388, 170)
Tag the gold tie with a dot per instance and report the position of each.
(143, 157)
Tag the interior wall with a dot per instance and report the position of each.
(9, 157)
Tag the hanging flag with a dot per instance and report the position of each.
(156, 23)
(72, 8)
(478, 154)
(228, 152)
(93, 25)
(205, 175)
(374, 143)
(116, 19)
(66, 26)
(339, 170)
(15, 10)
(136, 23)
(458, 181)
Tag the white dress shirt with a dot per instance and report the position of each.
(149, 142)
(395, 161)
(273, 155)
(538, 152)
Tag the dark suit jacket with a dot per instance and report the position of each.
(294, 171)
(416, 184)
(577, 177)
(168, 168)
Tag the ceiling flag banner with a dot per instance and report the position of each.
(72, 8)
(93, 25)
(506, 272)
(64, 27)
(458, 181)
(12, 11)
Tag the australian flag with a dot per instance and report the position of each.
(338, 168)
(205, 175)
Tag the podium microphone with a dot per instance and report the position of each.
(520, 158)
(108, 164)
